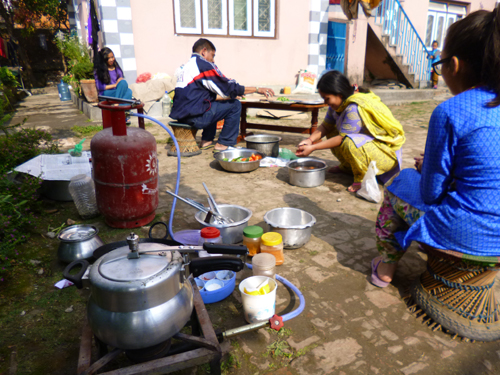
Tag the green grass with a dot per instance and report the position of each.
(86, 131)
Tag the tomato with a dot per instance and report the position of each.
(244, 159)
(258, 157)
(251, 159)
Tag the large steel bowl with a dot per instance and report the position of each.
(294, 225)
(306, 172)
(267, 144)
(230, 233)
(239, 167)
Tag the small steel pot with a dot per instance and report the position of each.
(78, 242)
(267, 144)
(294, 225)
(231, 233)
(306, 172)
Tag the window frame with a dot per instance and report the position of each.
(250, 17)
(201, 20)
(206, 30)
(177, 19)
(256, 32)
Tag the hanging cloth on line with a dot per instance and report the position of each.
(350, 7)
(93, 29)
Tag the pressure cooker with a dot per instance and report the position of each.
(141, 294)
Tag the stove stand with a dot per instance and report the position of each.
(201, 347)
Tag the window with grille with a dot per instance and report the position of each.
(250, 18)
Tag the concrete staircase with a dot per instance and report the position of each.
(394, 48)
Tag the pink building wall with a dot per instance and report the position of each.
(249, 61)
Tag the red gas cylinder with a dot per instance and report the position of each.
(125, 167)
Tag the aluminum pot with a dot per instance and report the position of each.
(294, 225)
(141, 294)
(306, 172)
(267, 144)
(78, 242)
(231, 233)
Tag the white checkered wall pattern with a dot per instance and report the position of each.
(116, 27)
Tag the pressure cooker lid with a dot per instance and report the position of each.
(116, 266)
(77, 233)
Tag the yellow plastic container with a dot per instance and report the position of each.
(272, 243)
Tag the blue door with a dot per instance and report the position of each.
(335, 46)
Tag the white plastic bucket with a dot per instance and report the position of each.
(258, 308)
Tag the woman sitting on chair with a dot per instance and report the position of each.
(451, 201)
(109, 76)
(359, 128)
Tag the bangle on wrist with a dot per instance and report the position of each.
(256, 89)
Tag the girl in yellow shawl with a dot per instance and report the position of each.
(359, 128)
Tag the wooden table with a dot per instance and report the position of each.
(244, 125)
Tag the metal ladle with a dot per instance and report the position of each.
(215, 208)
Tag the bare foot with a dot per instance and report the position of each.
(385, 271)
(354, 187)
(220, 147)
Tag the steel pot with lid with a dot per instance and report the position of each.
(78, 242)
(140, 293)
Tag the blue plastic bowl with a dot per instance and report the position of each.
(219, 294)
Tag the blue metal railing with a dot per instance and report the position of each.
(403, 35)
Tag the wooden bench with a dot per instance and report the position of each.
(186, 138)
(457, 292)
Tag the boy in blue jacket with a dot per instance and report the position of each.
(434, 57)
(204, 96)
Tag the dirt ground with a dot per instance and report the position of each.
(348, 326)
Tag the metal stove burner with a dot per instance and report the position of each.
(149, 354)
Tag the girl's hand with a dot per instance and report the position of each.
(305, 142)
(418, 162)
(304, 150)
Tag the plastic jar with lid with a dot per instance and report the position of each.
(272, 243)
(209, 234)
(264, 264)
(251, 239)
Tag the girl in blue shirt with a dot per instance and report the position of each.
(451, 201)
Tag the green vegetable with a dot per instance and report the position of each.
(283, 99)
(225, 159)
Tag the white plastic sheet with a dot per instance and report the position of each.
(57, 167)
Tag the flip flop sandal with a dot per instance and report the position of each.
(227, 149)
(208, 146)
(375, 280)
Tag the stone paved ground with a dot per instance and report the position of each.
(348, 325)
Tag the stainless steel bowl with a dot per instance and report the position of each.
(267, 144)
(78, 242)
(306, 172)
(294, 225)
(244, 166)
(231, 233)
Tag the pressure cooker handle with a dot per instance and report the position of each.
(76, 279)
(218, 248)
(200, 266)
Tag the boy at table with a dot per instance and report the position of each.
(204, 96)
